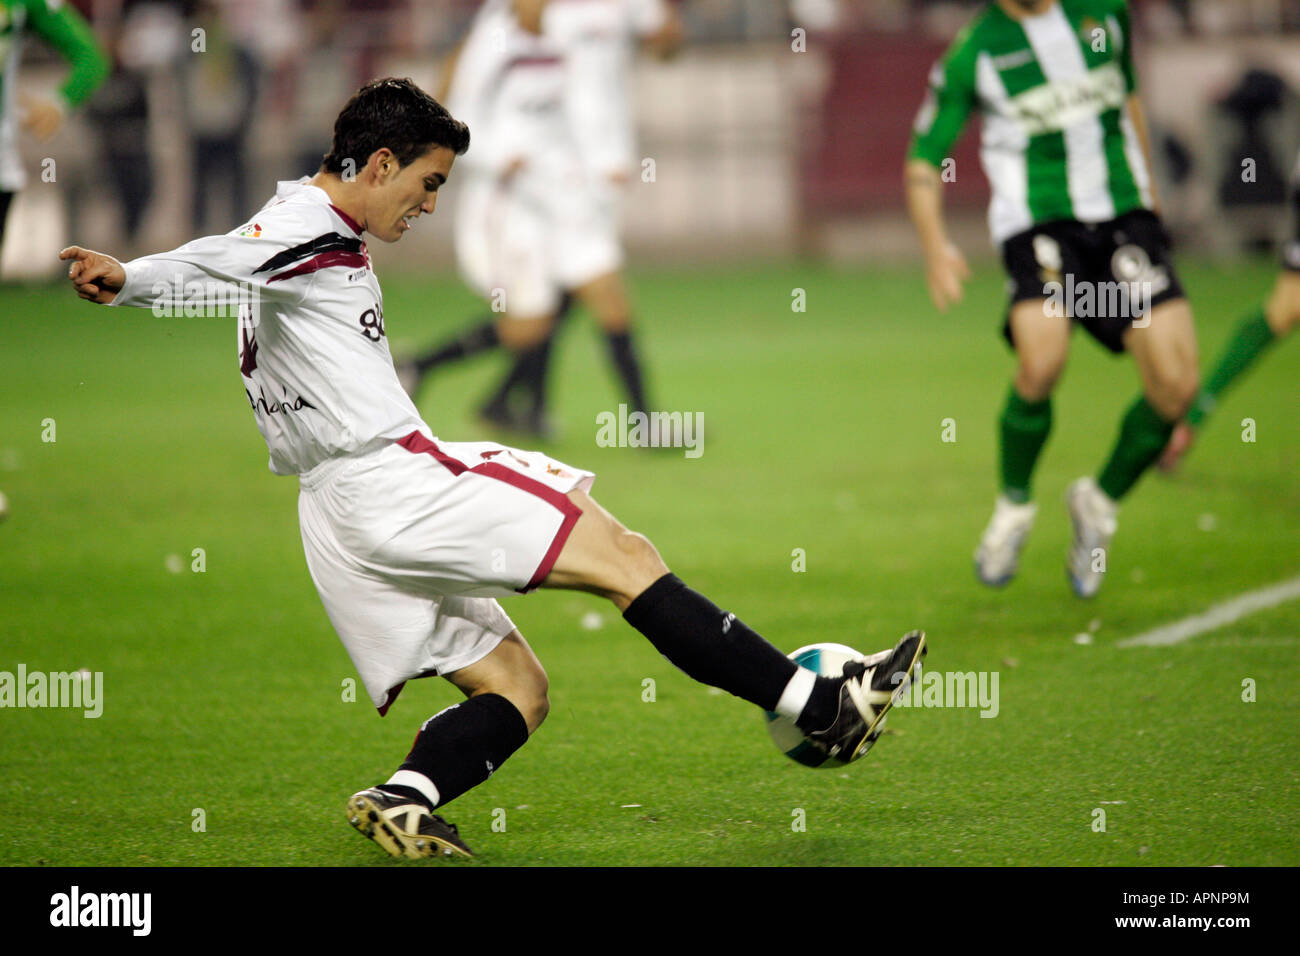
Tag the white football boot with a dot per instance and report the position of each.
(998, 554)
(1094, 516)
(403, 827)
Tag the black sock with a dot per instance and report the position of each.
(715, 647)
(531, 366)
(518, 376)
(460, 747)
(478, 339)
(534, 382)
(629, 369)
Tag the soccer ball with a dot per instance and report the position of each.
(827, 660)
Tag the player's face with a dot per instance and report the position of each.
(406, 191)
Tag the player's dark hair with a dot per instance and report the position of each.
(395, 114)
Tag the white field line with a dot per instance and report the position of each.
(1217, 616)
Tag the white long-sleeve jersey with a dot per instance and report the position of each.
(509, 87)
(599, 39)
(313, 351)
(559, 101)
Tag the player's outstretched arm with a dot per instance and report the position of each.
(95, 276)
(216, 268)
(945, 266)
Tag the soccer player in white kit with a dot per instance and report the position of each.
(545, 84)
(410, 539)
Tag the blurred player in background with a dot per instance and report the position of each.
(548, 83)
(63, 29)
(1065, 149)
(1279, 315)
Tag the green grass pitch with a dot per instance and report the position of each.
(223, 690)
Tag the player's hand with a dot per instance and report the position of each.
(945, 271)
(41, 117)
(95, 276)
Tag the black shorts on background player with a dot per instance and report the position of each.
(1086, 260)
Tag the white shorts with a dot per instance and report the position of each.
(409, 544)
(531, 247)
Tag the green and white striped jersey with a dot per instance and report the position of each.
(65, 30)
(1058, 141)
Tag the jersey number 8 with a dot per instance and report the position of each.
(372, 324)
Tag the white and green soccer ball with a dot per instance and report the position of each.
(826, 660)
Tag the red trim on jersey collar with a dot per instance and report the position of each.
(352, 223)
